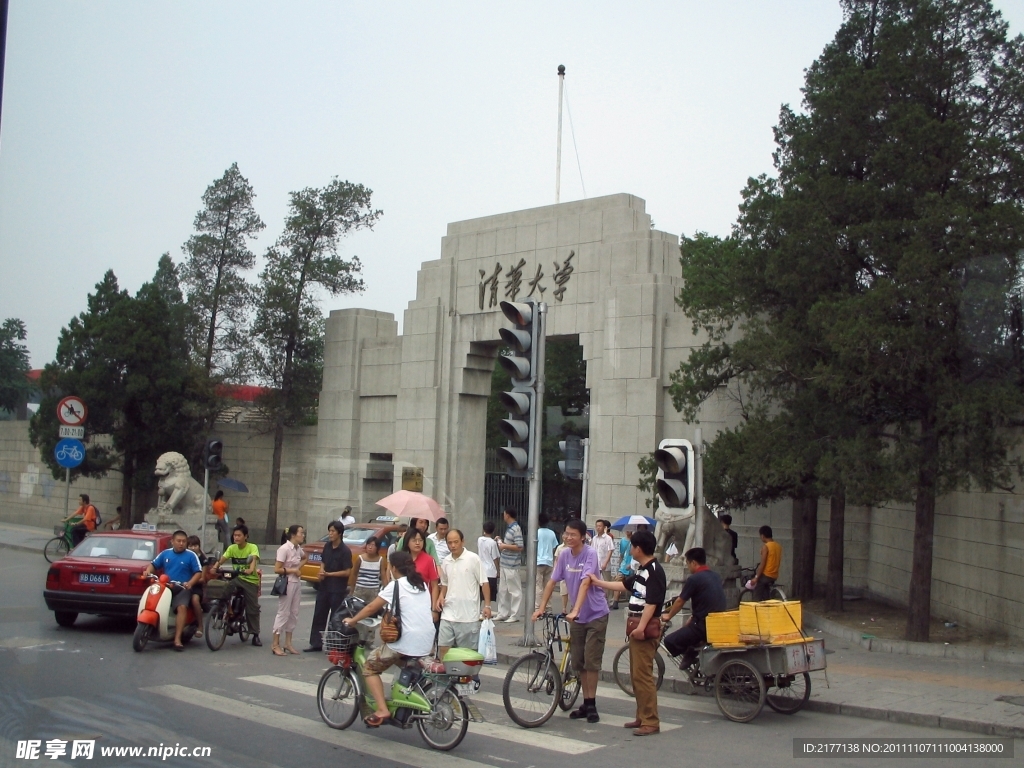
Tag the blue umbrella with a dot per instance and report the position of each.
(632, 521)
(232, 485)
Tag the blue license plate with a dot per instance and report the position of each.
(94, 578)
(315, 558)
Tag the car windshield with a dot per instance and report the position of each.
(119, 547)
(358, 535)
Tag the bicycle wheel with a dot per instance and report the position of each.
(623, 677)
(747, 596)
(532, 690)
(791, 696)
(446, 725)
(570, 687)
(337, 697)
(776, 593)
(55, 549)
(215, 629)
(739, 691)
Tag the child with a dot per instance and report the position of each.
(197, 590)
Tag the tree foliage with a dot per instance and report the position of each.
(219, 297)
(288, 328)
(127, 358)
(14, 365)
(867, 304)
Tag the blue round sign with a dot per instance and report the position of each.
(70, 452)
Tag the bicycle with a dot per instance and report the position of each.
(226, 614)
(535, 684)
(432, 698)
(58, 547)
(747, 595)
(621, 666)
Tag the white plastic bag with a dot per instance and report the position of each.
(672, 550)
(487, 647)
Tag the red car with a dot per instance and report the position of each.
(103, 575)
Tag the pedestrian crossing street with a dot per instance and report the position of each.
(287, 704)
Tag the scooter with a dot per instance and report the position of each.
(156, 620)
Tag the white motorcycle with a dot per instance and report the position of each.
(156, 620)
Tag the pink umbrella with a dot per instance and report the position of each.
(412, 504)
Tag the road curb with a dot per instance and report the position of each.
(21, 548)
(905, 647)
(914, 718)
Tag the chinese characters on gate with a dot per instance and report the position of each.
(513, 281)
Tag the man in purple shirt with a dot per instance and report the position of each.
(588, 620)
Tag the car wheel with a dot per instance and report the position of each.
(65, 618)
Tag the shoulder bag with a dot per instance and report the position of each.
(391, 621)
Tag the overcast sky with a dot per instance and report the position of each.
(118, 115)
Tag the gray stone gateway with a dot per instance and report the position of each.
(394, 405)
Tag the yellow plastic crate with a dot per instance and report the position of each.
(770, 621)
(723, 628)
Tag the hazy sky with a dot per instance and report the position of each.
(118, 115)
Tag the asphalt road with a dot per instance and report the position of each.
(254, 710)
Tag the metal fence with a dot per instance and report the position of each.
(502, 491)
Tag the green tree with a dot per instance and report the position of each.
(127, 357)
(14, 366)
(218, 254)
(877, 270)
(288, 328)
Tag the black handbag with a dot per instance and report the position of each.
(280, 586)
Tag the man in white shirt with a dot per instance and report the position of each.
(439, 537)
(462, 580)
(604, 545)
(487, 550)
(346, 518)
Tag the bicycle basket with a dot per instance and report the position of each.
(339, 641)
(215, 589)
(58, 530)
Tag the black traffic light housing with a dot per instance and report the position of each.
(674, 458)
(571, 466)
(521, 366)
(212, 453)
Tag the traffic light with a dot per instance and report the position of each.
(212, 453)
(571, 466)
(521, 366)
(675, 473)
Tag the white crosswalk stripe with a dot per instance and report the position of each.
(422, 757)
(615, 721)
(552, 742)
(665, 700)
(96, 721)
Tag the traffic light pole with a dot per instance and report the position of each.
(586, 478)
(206, 495)
(698, 486)
(533, 516)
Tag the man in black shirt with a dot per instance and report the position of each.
(334, 570)
(726, 521)
(703, 588)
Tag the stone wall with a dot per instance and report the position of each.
(30, 496)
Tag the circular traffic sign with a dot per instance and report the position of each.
(69, 452)
(71, 411)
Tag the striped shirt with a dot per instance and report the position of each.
(513, 535)
(369, 573)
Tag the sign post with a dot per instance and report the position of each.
(70, 451)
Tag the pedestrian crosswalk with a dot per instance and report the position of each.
(270, 701)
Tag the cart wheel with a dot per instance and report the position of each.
(739, 691)
(791, 695)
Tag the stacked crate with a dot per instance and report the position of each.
(771, 621)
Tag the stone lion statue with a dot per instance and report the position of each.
(674, 526)
(180, 499)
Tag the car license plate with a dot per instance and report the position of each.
(465, 689)
(94, 578)
(315, 558)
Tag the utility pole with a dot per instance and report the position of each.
(586, 478)
(558, 157)
(5, 6)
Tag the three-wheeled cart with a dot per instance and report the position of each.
(745, 677)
